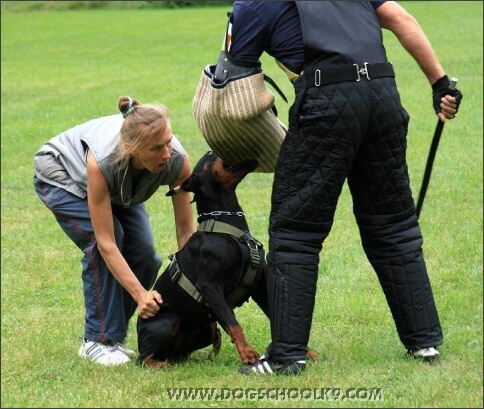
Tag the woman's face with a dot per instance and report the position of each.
(154, 155)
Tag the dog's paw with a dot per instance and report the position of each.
(312, 355)
(251, 361)
(250, 356)
(153, 364)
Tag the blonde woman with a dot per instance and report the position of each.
(95, 178)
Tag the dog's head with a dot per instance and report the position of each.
(211, 173)
(213, 183)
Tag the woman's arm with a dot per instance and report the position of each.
(182, 207)
(99, 201)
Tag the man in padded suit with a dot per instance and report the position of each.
(346, 124)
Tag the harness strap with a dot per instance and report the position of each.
(178, 277)
(248, 278)
(213, 226)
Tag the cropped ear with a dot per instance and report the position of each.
(188, 185)
(191, 184)
(174, 191)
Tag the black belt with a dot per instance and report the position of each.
(325, 76)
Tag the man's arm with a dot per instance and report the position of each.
(395, 18)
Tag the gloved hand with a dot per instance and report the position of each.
(440, 89)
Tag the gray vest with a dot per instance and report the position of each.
(62, 162)
(333, 37)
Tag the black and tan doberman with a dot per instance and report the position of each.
(220, 267)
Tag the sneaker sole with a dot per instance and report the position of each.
(83, 355)
(264, 368)
(428, 359)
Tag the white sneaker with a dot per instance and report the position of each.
(427, 354)
(126, 351)
(102, 354)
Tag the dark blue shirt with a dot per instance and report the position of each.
(272, 27)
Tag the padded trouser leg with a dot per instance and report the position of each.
(394, 248)
(291, 290)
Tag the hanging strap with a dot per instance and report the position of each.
(227, 69)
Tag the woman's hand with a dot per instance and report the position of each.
(149, 304)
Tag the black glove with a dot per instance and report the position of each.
(440, 89)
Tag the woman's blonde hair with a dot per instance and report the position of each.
(141, 123)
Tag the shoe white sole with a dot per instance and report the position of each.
(103, 354)
(426, 354)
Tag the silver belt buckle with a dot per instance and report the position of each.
(362, 71)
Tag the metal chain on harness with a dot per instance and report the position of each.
(223, 213)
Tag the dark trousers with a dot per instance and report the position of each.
(354, 132)
(108, 305)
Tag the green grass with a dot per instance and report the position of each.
(60, 68)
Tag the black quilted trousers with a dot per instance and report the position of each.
(354, 132)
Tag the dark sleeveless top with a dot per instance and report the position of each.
(274, 27)
(334, 34)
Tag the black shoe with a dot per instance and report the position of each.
(429, 354)
(269, 367)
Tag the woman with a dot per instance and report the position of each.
(95, 179)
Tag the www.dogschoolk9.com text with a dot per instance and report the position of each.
(281, 394)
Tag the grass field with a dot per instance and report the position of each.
(61, 68)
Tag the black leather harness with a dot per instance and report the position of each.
(252, 258)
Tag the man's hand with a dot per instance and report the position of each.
(446, 101)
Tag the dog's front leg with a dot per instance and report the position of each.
(214, 297)
(248, 355)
